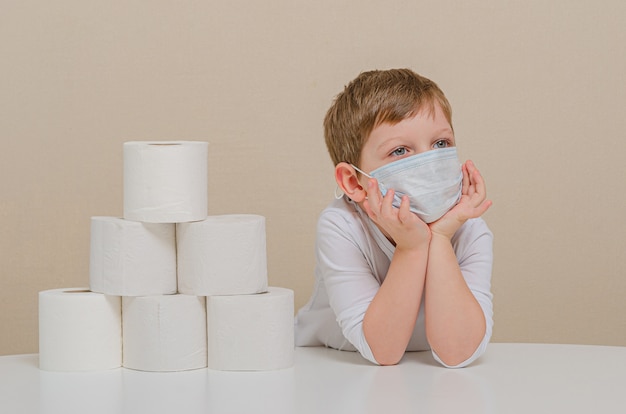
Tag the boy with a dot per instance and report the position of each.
(403, 259)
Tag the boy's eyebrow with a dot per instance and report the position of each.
(445, 130)
(389, 142)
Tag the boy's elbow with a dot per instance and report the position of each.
(453, 361)
(387, 359)
(455, 358)
(387, 363)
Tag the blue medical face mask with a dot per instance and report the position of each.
(432, 180)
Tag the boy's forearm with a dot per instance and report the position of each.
(455, 323)
(390, 318)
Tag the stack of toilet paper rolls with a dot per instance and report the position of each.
(171, 288)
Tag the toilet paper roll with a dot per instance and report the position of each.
(222, 255)
(164, 333)
(129, 258)
(165, 181)
(79, 330)
(251, 332)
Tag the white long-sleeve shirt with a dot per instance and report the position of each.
(352, 259)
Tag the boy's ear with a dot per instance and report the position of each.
(348, 181)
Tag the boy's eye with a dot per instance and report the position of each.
(442, 143)
(399, 151)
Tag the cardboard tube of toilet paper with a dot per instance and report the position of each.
(251, 332)
(222, 255)
(164, 333)
(79, 330)
(130, 258)
(165, 181)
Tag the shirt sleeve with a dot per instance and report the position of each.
(473, 246)
(344, 268)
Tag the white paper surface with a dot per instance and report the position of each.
(165, 181)
(222, 255)
(164, 333)
(97, 392)
(129, 258)
(251, 332)
(79, 330)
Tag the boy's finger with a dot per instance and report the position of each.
(367, 208)
(373, 195)
(471, 167)
(404, 211)
(481, 209)
(479, 183)
(466, 180)
(386, 207)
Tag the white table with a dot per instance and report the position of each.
(509, 378)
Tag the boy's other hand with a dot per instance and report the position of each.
(473, 203)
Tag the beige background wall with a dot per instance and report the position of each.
(539, 97)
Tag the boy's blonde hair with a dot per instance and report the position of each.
(373, 98)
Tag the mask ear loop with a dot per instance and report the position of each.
(362, 172)
(381, 186)
(338, 192)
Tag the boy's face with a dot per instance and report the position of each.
(423, 132)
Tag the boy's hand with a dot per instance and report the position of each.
(404, 227)
(473, 203)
